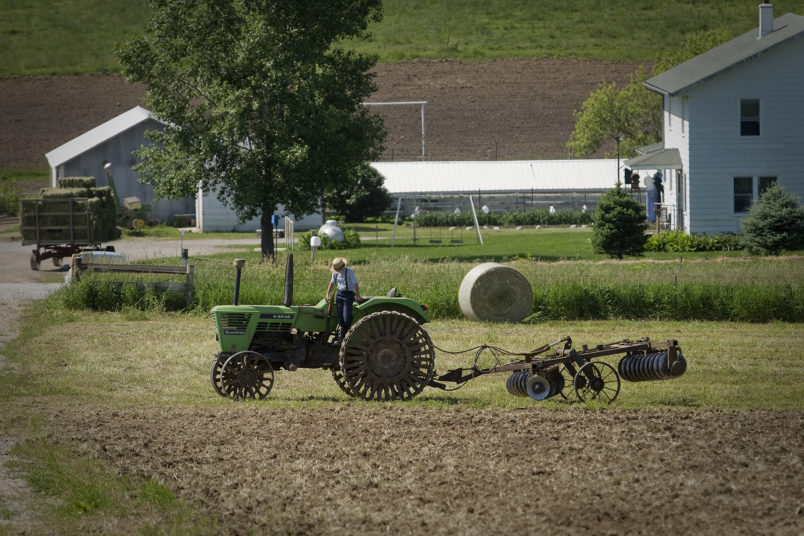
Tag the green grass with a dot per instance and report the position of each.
(568, 279)
(85, 496)
(17, 182)
(80, 36)
(732, 365)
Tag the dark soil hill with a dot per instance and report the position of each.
(504, 109)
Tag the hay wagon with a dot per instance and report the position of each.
(61, 227)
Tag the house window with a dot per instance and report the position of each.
(743, 194)
(765, 183)
(746, 189)
(749, 117)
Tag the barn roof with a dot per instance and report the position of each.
(726, 56)
(96, 136)
(498, 176)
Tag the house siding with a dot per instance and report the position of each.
(715, 152)
(677, 137)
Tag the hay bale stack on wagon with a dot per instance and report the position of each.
(76, 216)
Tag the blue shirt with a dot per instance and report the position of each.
(345, 279)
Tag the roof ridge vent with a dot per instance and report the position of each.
(765, 19)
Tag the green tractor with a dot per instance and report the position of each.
(386, 355)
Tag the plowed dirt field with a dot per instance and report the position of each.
(388, 470)
(496, 110)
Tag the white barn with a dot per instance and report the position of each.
(733, 121)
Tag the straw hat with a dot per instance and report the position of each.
(337, 263)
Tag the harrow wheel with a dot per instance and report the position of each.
(337, 375)
(596, 380)
(568, 390)
(246, 375)
(215, 375)
(387, 356)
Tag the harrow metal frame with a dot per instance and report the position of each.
(568, 357)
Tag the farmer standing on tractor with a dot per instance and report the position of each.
(348, 292)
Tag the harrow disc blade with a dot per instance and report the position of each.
(387, 356)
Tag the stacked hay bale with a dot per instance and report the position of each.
(77, 212)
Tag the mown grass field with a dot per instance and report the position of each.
(42, 37)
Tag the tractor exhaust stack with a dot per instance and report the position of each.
(238, 264)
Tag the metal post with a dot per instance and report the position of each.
(423, 152)
(396, 219)
(477, 225)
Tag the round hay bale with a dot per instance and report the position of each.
(495, 293)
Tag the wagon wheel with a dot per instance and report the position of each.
(247, 375)
(337, 375)
(34, 261)
(215, 375)
(597, 380)
(56, 261)
(387, 356)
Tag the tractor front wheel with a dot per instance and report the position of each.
(246, 375)
(387, 356)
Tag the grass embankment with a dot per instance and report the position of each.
(582, 285)
(42, 37)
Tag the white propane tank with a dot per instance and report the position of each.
(332, 230)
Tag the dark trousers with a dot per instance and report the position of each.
(344, 300)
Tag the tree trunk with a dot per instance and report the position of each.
(267, 235)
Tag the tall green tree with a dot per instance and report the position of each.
(258, 100)
(633, 112)
(363, 197)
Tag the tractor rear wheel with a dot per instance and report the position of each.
(247, 375)
(387, 356)
(337, 375)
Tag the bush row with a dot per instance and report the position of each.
(102, 294)
(510, 218)
(668, 301)
(679, 241)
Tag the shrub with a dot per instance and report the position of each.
(619, 224)
(9, 200)
(774, 223)
(679, 241)
(351, 239)
(510, 218)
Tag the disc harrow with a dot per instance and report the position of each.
(576, 374)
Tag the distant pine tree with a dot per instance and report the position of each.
(619, 225)
(774, 223)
